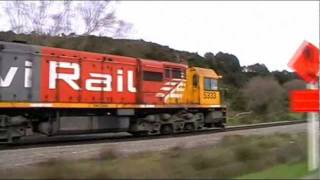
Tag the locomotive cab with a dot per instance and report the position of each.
(202, 87)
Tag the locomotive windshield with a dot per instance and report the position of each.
(210, 84)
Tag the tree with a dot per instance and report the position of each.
(62, 20)
(228, 66)
(227, 63)
(264, 95)
(283, 76)
(97, 17)
(38, 15)
(197, 61)
(238, 101)
(209, 56)
(295, 84)
(18, 14)
(259, 69)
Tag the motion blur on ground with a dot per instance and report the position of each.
(236, 156)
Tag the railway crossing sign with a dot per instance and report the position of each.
(304, 101)
(305, 62)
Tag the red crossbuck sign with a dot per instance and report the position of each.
(305, 62)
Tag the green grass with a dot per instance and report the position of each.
(283, 171)
(255, 118)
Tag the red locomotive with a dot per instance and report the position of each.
(53, 91)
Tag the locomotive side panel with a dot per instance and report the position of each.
(151, 81)
(19, 72)
(80, 77)
(162, 82)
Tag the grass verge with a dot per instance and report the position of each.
(234, 156)
(255, 118)
(282, 171)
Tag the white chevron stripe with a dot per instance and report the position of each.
(176, 92)
(160, 95)
(180, 80)
(175, 96)
(165, 88)
(171, 83)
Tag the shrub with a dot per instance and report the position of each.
(56, 168)
(291, 153)
(175, 151)
(108, 154)
(245, 152)
(269, 143)
(231, 140)
(264, 95)
(117, 51)
(230, 170)
(200, 162)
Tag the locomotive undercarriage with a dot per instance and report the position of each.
(137, 122)
(177, 121)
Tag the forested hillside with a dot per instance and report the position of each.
(252, 93)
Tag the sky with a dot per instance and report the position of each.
(255, 31)
(267, 32)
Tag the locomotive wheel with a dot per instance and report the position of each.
(15, 139)
(220, 125)
(139, 134)
(189, 127)
(166, 129)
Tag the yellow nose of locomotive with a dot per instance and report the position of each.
(202, 87)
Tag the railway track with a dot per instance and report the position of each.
(123, 137)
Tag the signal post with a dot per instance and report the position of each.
(306, 64)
